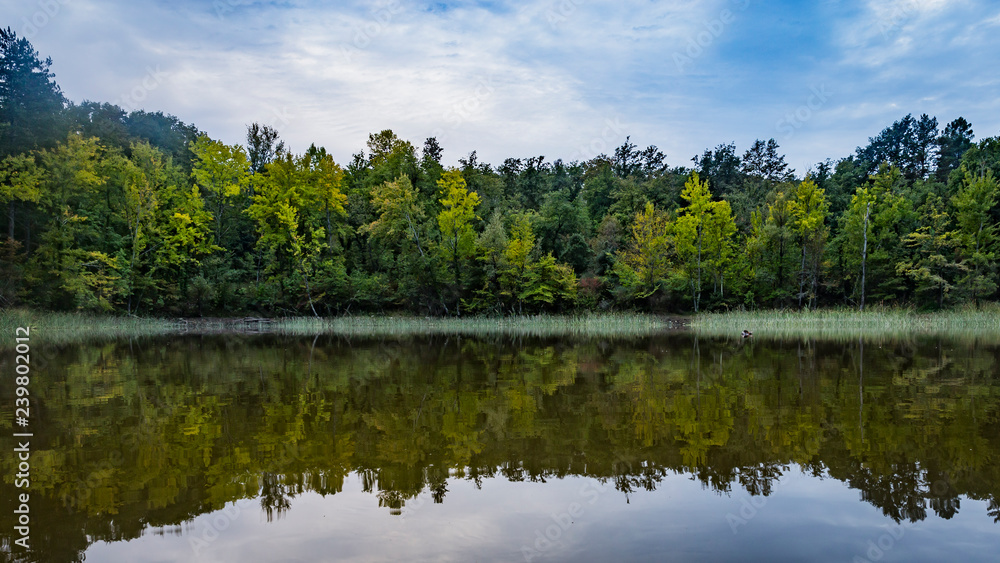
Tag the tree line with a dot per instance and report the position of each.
(140, 213)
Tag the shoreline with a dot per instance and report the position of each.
(86, 325)
(824, 324)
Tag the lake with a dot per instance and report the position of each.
(672, 447)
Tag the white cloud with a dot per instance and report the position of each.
(889, 30)
(529, 78)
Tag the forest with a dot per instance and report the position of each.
(139, 213)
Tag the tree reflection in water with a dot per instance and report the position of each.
(196, 422)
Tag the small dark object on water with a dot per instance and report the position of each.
(747, 333)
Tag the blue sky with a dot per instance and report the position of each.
(564, 78)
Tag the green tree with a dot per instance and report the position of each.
(325, 179)
(168, 229)
(516, 261)
(908, 145)
(721, 168)
(263, 146)
(871, 238)
(223, 171)
(491, 245)
(529, 281)
(67, 269)
(20, 178)
(458, 211)
(548, 283)
(703, 236)
(563, 226)
(855, 233)
(598, 187)
(401, 232)
(719, 245)
(145, 182)
(977, 234)
(809, 209)
(390, 157)
(31, 104)
(291, 207)
(646, 262)
(762, 169)
(954, 141)
(399, 212)
(932, 266)
(167, 133)
(771, 243)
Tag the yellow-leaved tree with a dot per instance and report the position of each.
(644, 265)
(458, 211)
(809, 210)
(292, 206)
(703, 234)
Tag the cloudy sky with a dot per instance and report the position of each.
(562, 78)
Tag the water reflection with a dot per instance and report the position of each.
(152, 433)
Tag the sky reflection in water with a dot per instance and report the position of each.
(666, 448)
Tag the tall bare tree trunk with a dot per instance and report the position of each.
(802, 274)
(864, 255)
(697, 297)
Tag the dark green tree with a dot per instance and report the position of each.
(263, 145)
(952, 144)
(31, 103)
(721, 167)
(763, 168)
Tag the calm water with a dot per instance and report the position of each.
(668, 448)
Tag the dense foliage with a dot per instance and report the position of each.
(140, 213)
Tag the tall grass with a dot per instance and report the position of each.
(851, 323)
(597, 325)
(73, 327)
(836, 324)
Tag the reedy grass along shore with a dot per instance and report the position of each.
(622, 325)
(72, 327)
(841, 324)
(836, 324)
(69, 327)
